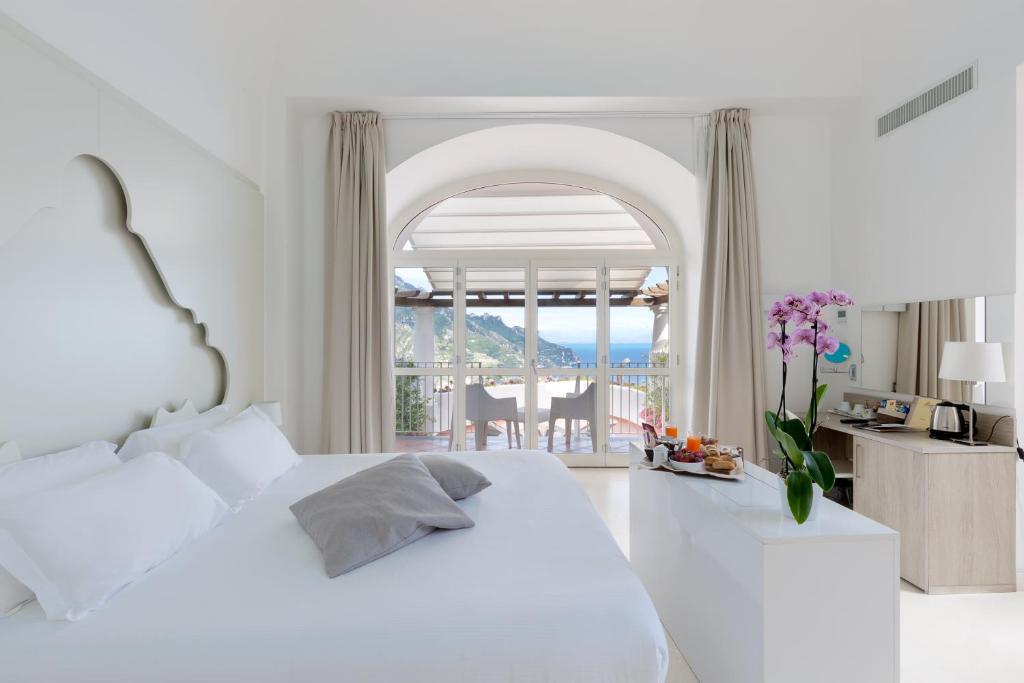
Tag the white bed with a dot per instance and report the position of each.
(536, 591)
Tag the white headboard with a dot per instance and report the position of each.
(131, 262)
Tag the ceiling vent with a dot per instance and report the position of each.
(956, 85)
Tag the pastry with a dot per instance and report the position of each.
(720, 464)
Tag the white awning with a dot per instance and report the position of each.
(531, 216)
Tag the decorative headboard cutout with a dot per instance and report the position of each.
(93, 342)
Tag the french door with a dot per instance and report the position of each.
(564, 354)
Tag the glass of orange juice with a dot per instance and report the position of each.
(672, 431)
(693, 442)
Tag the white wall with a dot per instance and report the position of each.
(792, 163)
(936, 196)
(1018, 318)
(201, 66)
(199, 219)
(92, 316)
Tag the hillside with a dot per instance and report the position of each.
(490, 341)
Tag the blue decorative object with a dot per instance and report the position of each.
(840, 355)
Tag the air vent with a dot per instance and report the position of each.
(933, 98)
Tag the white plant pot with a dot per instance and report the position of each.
(784, 501)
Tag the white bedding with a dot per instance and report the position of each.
(536, 591)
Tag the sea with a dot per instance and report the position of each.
(636, 353)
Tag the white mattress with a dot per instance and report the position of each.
(536, 591)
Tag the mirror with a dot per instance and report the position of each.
(900, 346)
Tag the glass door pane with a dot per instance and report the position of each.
(495, 318)
(567, 318)
(568, 353)
(424, 405)
(424, 354)
(632, 401)
(495, 368)
(638, 317)
(568, 413)
(639, 347)
(424, 318)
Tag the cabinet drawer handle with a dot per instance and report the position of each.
(857, 450)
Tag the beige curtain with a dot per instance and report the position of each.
(729, 388)
(358, 389)
(923, 330)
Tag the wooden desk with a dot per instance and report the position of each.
(954, 506)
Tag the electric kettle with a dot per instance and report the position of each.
(949, 420)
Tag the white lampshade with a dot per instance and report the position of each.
(972, 362)
(272, 409)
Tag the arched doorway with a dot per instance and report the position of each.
(536, 309)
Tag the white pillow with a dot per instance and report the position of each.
(168, 438)
(241, 457)
(9, 453)
(162, 417)
(77, 545)
(30, 476)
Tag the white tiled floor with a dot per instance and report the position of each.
(944, 638)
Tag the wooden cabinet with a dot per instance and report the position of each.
(954, 512)
(867, 486)
(890, 486)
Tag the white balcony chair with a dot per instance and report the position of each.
(569, 408)
(482, 409)
(543, 415)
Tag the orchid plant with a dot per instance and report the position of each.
(798, 321)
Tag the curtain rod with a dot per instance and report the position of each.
(400, 116)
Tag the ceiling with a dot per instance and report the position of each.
(218, 70)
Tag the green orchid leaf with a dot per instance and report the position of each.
(819, 466)
(799, 494)
(780, 432)
(795, 428)
(793, 451)
(815, 404)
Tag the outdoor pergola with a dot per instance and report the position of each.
(546, 298)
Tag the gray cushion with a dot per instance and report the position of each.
(458, 479)
(376, 512)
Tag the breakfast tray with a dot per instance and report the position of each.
(697, 469)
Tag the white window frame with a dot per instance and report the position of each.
(531, 261)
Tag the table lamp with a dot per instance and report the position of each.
(972, 362)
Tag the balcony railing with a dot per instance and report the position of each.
(424, 404)
(434, 365)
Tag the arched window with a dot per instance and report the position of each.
(532, 314)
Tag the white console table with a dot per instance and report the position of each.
(749, 595)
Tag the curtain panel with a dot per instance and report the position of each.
(730, 385)
(358, 387)
(924, 328)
